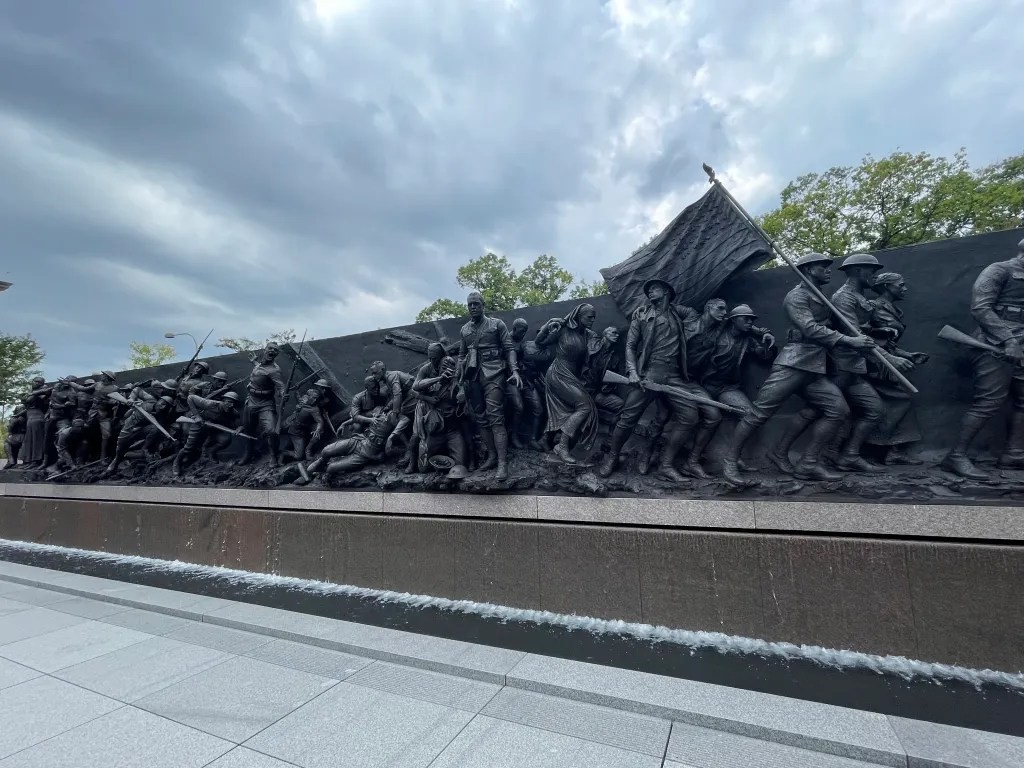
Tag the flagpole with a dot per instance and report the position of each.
(849, 326)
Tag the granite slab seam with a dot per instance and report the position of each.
(932, 521)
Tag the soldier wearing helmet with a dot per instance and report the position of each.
(138, 429)
(738, 342)
(800, 369)
(201, 438)
(997, 303)
(305, 424)
(213, 387)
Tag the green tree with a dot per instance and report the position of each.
(242, 344)
(20, 357)
(142, 355)
(898, 200)
(541, 282)
(585, 289)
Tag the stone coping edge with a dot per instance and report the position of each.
(816, 727)
(933, 521)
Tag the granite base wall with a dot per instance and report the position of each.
(952, 602)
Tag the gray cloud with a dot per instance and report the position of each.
(250, 165)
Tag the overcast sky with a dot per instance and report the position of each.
(252, 165)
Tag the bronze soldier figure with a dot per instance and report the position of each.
(366, 404)
(72, 444)
(526, 403)
(137, 428)
(997, 303)
(58, 416)
(801, 368)
(206, 388)
(486, 355)
(352, 453)
(263, 404)
(851, 367)
(304, 425)
(606, 397)
(442, 403)
(200, 436)
(656, 352)
(15, 436)
(396, 390)
(734, 345)
(899, 428)
(100, 413)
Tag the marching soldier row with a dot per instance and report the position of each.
(464, 406)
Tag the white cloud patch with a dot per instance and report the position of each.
(330, 164)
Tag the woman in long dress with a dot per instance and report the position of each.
(899, 428)
(578, 355)
(36, 402)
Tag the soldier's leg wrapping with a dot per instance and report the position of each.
(710, 418)
(868, 410)
(781, 383)
(106, 427)
(267, 419)
(12, 449)
(192, 447)
(216, 442)
(515, 405)
(455, 443)
(342, 447)
(1013, 452)
(828, 400)
(992, 380)
(637, 400)
(494, 409)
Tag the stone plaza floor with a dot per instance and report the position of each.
(87, 682)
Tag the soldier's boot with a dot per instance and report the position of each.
(176, 468)
(692, 466)
(810, 467)
(731, 460)
(618, 439)
(514, 422)
(501, 453)
(248, 453)
(1013, 455)
(666, 466)
(643, 461)
(491, 462)
(316, 465)
(779, 455)
(850, 459)
(563, 450)
(275, 450)
(956, 460)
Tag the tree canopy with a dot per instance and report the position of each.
(541, 282)
(897, 200)
(142, 355)
(242, 344)
(20, 357)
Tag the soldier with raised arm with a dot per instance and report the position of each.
(263, 403)
(997, 303)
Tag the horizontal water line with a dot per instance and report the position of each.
(901, 666)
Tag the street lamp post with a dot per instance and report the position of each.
(169, 335)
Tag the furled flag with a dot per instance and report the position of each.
(704, 246)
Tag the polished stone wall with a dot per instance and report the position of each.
(944, 600)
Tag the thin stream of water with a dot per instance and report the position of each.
(983, 699)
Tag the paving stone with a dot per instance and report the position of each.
(240, 757)
(127, 738)
(637, 733)
(36, 596)
(369, 728)
(930, 745)
(88, 608)
(219, 638)
(147, 621)
(446, 690)
(821, 727)
(309, 658)
(236, 699)
(142, 669)
(34, 622)
(70, 645)
(40, 709)
(490, 743)
(692, 745)
(8, 607)
(12, 673)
